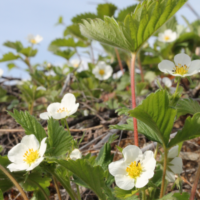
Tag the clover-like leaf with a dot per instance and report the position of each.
(147, 18)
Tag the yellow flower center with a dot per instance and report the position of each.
(60, 110)
(31, 156)
(167, 38)
(181, 69)
(134, 169)
(101, 72)
(33, 41)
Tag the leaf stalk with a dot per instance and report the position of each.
(132, 71)
(14, 182)
(164, 172)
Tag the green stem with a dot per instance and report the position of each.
(177, 86)
(78, 192)
(143, 195)
(156, 151)
(14, 182)
(57, 188)
(164, 172)
(67, 125)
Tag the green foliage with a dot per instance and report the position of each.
(186, 40)
(78, 19)
(69, 42)
(34, 181)
(60, 20)
(123, 13)
(38, 194)
(93, 177)
(74, 30)
(107, 9)
(11, 66)
(1, 195)
(28, 52)
(176, 196)
(187, 106)
(9, 56)
(105, 157)
(137, 27)
(67, 54)
(142, 128)
(140, 88)
(156, 113)
(190, 130)
(59, 140)
(14, 45)
(126, 194)
(29, 123)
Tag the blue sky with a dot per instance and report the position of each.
(18, 18)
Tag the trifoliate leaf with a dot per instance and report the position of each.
(148, 17)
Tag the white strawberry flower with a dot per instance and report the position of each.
(76, 154)
(67, 107)
(135, 169)
(167, 36)
(175, 164)
(27, 155)
(183, 66)
(34, 39)
(1, 72)
(102, 71)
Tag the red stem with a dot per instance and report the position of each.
(119, 60)
(134, 97)
(194, 187)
